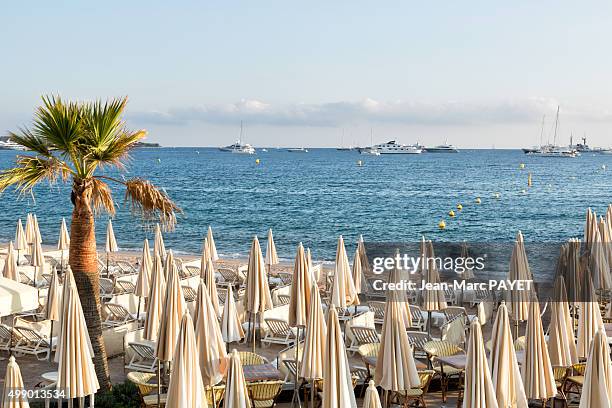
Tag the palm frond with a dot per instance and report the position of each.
(114, 153)
(31, 141)
(59, 124)
(30, 170)
(101, 197)
(151, 203)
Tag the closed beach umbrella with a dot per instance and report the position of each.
(519, 271)
(158, 243)
(257, 298)
(231, 328)
(433, 299)
(52, 305)
(111, 242)
(10, 264)
(13, 390)
(63, 242)
(236, 394)
(357, 271)
(343, 291)
(174, 308)
(597, 387)
(301, 285)
(605, 232)
(37, 235)
(76, 375)
(561, 342)
(337, 387)
(573, 273)
(271, 255)
(212, 248)
(396, 276)
(314, 346)
(371, 398)
(479, 391)
(588, 228)
(21, 243)
(598, 263)
(30, 231)
(209, 341)
(143, 281)
(537, 372)
(395, 367)
(186, 389)
(208, 275)
(363, 256)
(589, 320)
(465, 254)
(155, 303)
(505, 372)
(38, 260)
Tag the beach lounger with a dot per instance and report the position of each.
(190, 271)
(189, 293)
(117, 315)
(25, 279)
(455, 312)
(124, 286)
(378, 308)
(372, 293)
(279, 333)
(107, 288)
(283, 300)
(32, 343)
(418, 321)
(451, 296)
(5, 338)
(480, 295)
(143, 358)
(229, 275)
(362, 335)
(285, 277)
(125, 267)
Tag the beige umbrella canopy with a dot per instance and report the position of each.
(371, 398)
(76, 372)
(52, 304)
(589, 320)
(357, 271)
(316, 331)
(186, 389)
(343, 291)
(38, 260)
(111, 242)
(505, 372)
(13, 382)
(465, 254)
(236, 394)
(561, 342)
(231, 328)
(433, 299)
(30, 230)
(63, 243)
(363, 256)
(479, 392)
(37, 234)
(598, 263)
(519, 271)
(271, 254)
(210, 345)
(143, 281)
(10, 264)
(597, 387)
(588, 228)
(212, 248)
(257, 298)
(537, 372)
(21, 242)
(572, 273)
(174, 308)
(155, 303)
(395, 367)
(208, 275)
(396, 276)
(337, 387)
(605, 232)
(158, 244)
(299, 304)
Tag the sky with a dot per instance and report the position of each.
(478, 73)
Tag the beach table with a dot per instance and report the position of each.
(50, 376)
(261, 372)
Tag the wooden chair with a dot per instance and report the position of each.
(219, 392)
(5, 338)
(451, 296)
(455, 312)
(143, 359)
(418, 321)
(441, 348)
(362, 335)
(560, 375)
(248, 358)
(368, 351)
(574, 382)
(263, 394)
(417, 341)
(405, 398)
(279, 333)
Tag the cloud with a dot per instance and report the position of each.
(343, 113)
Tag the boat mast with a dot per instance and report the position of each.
(556, 126)
(542, 130)
(240, 138)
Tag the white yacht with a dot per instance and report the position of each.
(10, 145)
(392, 147)
(443, 148)
(297, 150)
(239, 147)
(372, 151)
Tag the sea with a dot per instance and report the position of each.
(317, 196)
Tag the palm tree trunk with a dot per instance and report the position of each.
(84, 264)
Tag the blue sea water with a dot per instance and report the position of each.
(314, 197)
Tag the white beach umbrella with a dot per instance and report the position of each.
(14, 394)
(186, 389)
(314, 346)
(505, 372)
(10, 264)
(588, 228)
(479, 391)
(174, 308)
(433, 298)
(111, 244)
(465, 254)
(158, 243)
(231, 328)
(30, 232)
(76, 372)
(212, 248)
(589, 319)
(396, 276)
(21, 243)
(598, 263)
(257, 298)
(37, 234)
(519, 271)
(208, 275)
(371, 398)
(63, 243)
(537, 372)
(299, 303)
(605, 232)
(155, 301)
(143, 280)
(271, 254)
(52, 309)
(357, 271)
(561, 342)
(209, 340)
(337, 387)
(343, 291)
(236, 394)
(597, 386)
(38, 260)
(363, 256)
(395, 367)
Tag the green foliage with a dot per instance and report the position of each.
(121, 396)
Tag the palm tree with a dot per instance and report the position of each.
(71, 141)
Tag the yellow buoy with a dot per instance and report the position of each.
(522, 166)
(442, 224)
(257, 161)
(529, 180)
(478, 200)
(459, 207)
(451, 213)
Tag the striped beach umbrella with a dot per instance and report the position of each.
(14, 393)
(186, 389)
(209, 341)
(505, 372)
(231, 328)
(155, 300)
(479, 391)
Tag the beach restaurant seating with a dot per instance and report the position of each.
(278, 332)
(143, 357)
(368, 351)
(417, 340)
(263, 394)
(416, 395)
(249, 358)
(441, 348)
(362, 335)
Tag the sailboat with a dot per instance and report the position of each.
(372, 150)
(552, 150)
(342, 147)
(239, 147)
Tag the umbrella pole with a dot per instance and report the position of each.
(296, 393)
(254, 331)
(138, 313)
(312, 393)
(107, 271)
(429, 322)
(212, 390)
(516, 325)
(158, 383)
(50, 339)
